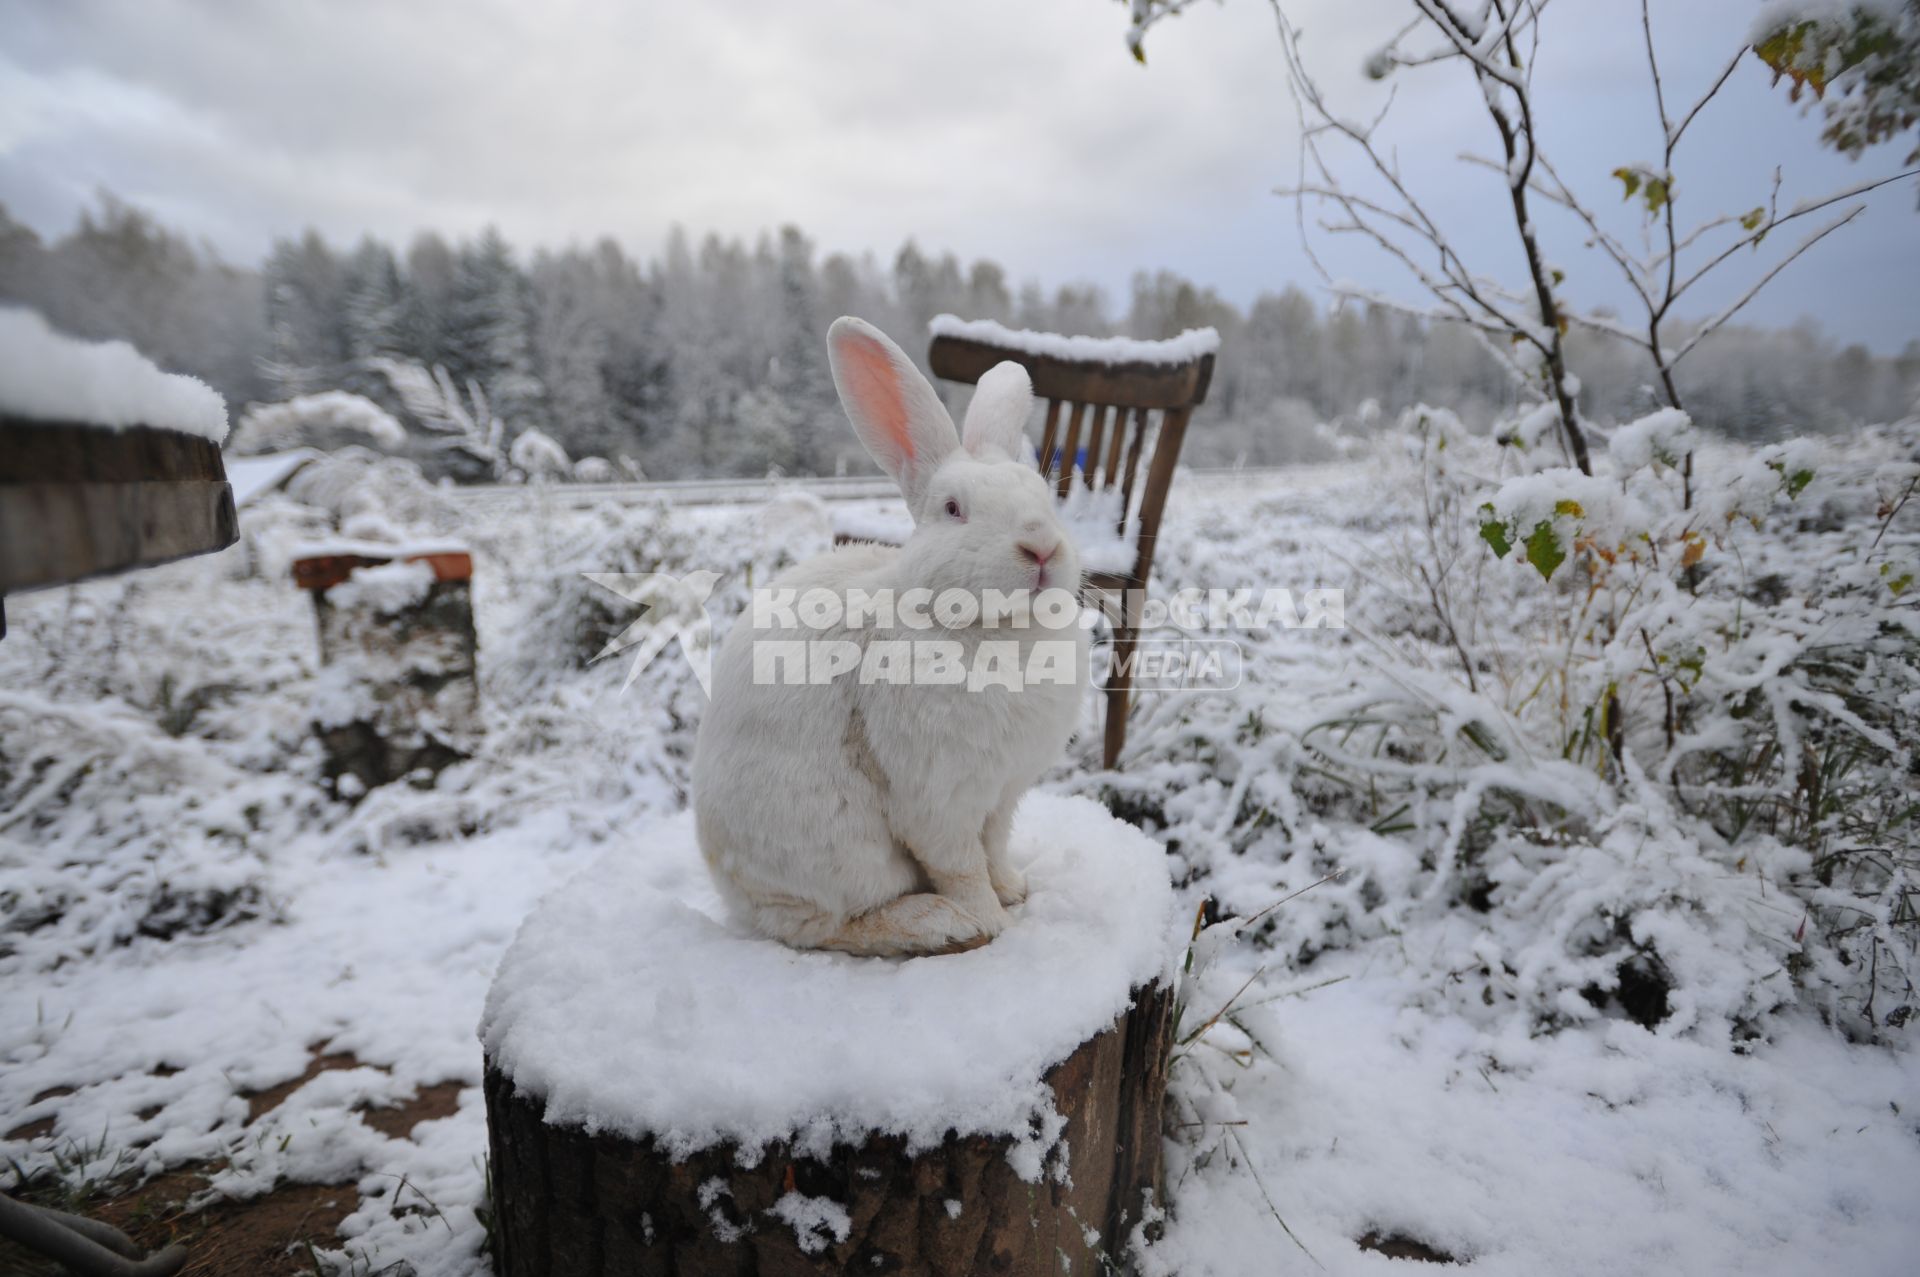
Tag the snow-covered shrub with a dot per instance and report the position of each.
(329, 420)
(466, 436)
(1640, 744)
(113, 831)
(594, 470)
(577, 617)
(1858, 59)
(1664, 716)
(581, 617)
(373, 496)
(537, 456)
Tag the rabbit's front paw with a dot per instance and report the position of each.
(1010, 885)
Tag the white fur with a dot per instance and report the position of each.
(874, 818)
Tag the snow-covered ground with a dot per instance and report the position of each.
(185, 916)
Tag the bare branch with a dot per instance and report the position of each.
(1636, 273)
(1772, 207)
(1764, 280)
(1653, 65)
(1611, 328)
(1674, 133)
(1798, 210)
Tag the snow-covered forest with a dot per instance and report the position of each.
(706, 359)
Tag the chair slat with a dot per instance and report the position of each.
(1091, 472)
(1113, 444)
(1071, 449)
(1046, 440)
(1153, 500)
(1133, 467)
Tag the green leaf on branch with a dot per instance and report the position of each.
(1782, 52)
(1495, 532)
(1794, 483)
(1543, 549)
(1569, 507)
(1652, 187)
(1751, 221)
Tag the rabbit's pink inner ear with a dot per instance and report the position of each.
(872, 382)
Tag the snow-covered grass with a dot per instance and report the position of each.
(1445, 1042)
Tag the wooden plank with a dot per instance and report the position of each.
(1133, 385)
(1153, 501)
(1113, 448)
(1071, 449)
(64, 452)
(324, 571)
(1047, 440)
(53, 533)
(1092, 468)
(1119, 688)
(1133, 465)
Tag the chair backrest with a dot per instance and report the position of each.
(1101, 419)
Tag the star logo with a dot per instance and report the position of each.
(671, 608)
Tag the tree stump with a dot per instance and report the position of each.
(398, 692)
(664, 1097)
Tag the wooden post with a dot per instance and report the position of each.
(423, 710)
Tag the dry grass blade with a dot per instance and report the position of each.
(1268, 1198)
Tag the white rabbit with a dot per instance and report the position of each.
(872, 816)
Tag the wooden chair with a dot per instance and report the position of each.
(1100, 422)
(1102, 419)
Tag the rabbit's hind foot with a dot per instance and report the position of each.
(911, 926)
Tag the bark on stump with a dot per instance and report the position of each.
(570, 1204)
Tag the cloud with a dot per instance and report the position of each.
(1003, 128)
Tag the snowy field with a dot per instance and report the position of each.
(186, 917)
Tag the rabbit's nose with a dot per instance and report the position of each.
(1036, 554)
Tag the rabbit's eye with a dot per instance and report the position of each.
(953, 510)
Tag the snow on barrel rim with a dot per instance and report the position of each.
(1188, 346)
(629, 1004)
(49, 376)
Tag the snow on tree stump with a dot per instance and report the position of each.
(397, 693)
(670, 1093)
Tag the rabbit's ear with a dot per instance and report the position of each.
(997, 417)
(893, 409)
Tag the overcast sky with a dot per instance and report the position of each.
(1015, 129)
